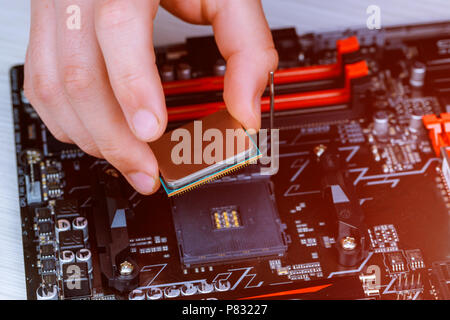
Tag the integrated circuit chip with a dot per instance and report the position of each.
(47, 250)
(203, 150)
(45, 228)
(212, 229)
(49, 279)
(415, 259)
(395, 261)
(48, 265)
(43, 214)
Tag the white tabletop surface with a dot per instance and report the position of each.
(306, 15)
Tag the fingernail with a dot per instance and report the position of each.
(142, 182)
(146, 125)
(251, 132)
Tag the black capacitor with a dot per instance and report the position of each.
(136, 294)
(154, 293)
(61, 225)
(167, 73)
(47, 292)
(84, 255)
(81, 223)
(66, 256)
(220, 67)
(184, 71)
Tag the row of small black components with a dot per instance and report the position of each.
(63, 251)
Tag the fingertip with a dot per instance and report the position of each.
(130, 63)
(245, 41)
(245, 82)
(146, 125)
(250, 120)
(143, 183)
(248, 116)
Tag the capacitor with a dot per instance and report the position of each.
(81, 223)
(167, 73)
(415, 121)
(61, 225)
(46, 292)
(66, 257)
(184, 71)
(418, 71)
(188, 289)
(205, 287)
(136, 294)
(154, 294)
(222, 285)
(84, 255)
(381, 123)
(220, 67)
(171, 292)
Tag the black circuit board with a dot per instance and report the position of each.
(398, 181)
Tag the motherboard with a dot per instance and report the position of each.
(358, 208)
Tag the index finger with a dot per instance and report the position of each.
(245, 41)
(124, 30)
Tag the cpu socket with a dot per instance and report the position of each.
(228, 221)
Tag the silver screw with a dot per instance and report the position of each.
(320, 149)
(348, 243)
(126, 268)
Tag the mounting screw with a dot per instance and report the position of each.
(348, 243)
(126, 268)
(320, 149)
(112, 172)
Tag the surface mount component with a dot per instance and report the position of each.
(441, 278)
(213, 229)
(187, 163)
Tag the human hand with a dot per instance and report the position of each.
(99, 87)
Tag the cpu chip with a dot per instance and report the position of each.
(232, 148)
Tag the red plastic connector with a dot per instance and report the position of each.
(439, 130)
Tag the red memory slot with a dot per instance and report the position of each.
(299, 74)
(282, 102)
